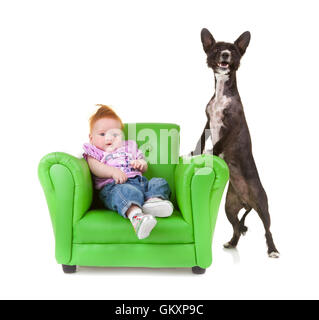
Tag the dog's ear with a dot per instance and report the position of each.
(242, 42)
(207, 40)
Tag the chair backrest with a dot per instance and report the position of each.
(160, 145)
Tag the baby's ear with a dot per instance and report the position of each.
(90, 137)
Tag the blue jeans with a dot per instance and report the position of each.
(136, 190)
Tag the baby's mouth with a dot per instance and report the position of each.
(108, 146)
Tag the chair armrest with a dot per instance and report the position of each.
(184, 173)
(67, 185)
(199, 189)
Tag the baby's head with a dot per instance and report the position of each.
(106, 129)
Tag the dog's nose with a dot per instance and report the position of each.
(225, 55)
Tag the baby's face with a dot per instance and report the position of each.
(106, 134)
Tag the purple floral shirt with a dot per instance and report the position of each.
(119, 158)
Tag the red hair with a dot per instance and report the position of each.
(104, 112)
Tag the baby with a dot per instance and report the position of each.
(117, 167)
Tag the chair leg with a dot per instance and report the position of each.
(68, 269)
(198, 270)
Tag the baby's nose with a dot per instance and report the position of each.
(108, 138)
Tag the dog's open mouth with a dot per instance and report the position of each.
(223, 65)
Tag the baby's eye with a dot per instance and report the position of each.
(115, 135)
(102, 134)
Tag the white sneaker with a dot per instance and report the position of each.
(143, 224)
(158, 207)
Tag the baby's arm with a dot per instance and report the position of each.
(102, 170)
(140, 165)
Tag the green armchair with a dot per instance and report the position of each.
(87, 234)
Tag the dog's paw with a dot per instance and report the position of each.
(208, 151)
(274, 254)
(228, 245)
(189, 155)
(243, 230)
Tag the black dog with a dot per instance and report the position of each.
(226, 124)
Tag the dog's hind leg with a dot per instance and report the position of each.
(232, 208)
(262, 209)
(265, 218)
(242, 228)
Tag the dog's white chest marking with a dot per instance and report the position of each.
(217, 106)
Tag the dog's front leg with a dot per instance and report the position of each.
(230, 131)
(201, 142)
(218, 147)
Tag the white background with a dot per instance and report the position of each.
(145, 59)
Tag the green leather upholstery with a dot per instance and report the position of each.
(91, 236)
(104, 226)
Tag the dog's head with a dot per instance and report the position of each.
(224, 57)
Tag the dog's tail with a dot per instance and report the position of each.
(242, 228)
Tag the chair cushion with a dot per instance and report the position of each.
(105, 226)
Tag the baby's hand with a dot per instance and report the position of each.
(140, 165)
(119, 176)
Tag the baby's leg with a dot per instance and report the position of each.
(132, 209)
(157, 195)
(157, 188)
(127, 200)
(120, 197)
